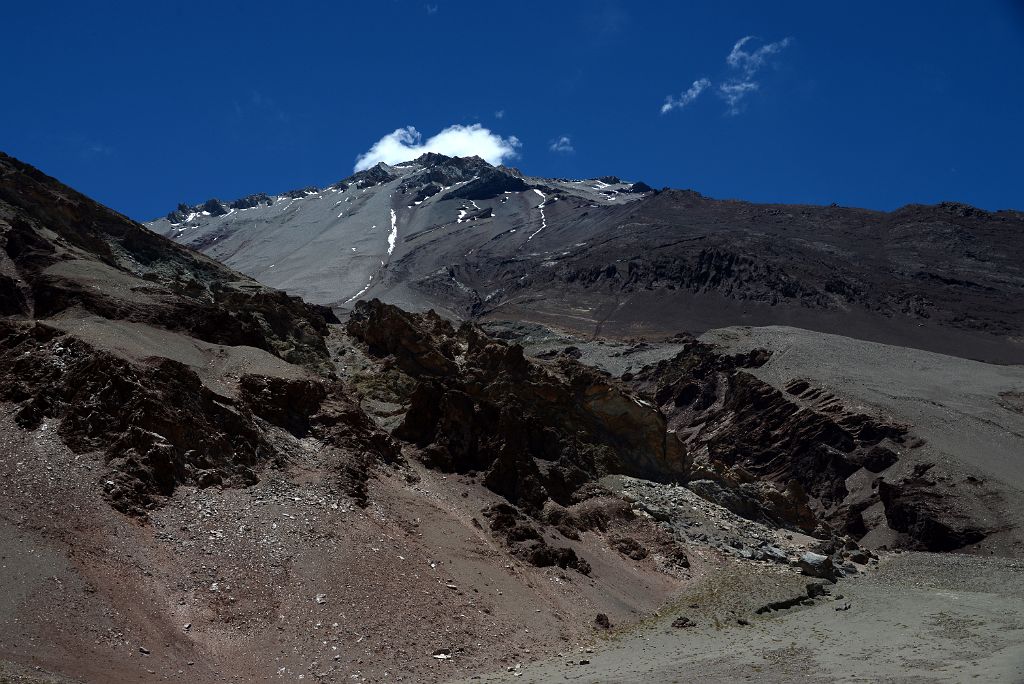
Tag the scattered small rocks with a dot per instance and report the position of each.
(682, 622)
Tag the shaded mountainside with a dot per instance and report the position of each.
(604, 256)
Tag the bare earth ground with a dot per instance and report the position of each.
(223, 585)
(918, 618)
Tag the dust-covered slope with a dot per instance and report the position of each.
(613, 258)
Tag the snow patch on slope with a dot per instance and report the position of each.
(393, 235)
(368, 282)
(543, 220)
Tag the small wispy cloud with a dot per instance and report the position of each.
(431, 9)
(743, 65)
(747, 63)
(500, 114)
(751, 62)
(562, 145)
(691, 94)
(407, 143)
(733, 93)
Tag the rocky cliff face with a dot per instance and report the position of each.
(829, 464)
(533, 431)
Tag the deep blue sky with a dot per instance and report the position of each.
(875, 104)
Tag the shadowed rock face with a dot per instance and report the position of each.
(159, 427)
(535, 431)
(923, 506)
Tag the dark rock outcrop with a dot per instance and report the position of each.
(749, 434)
(527, 543)
(924, 507)
(299, 193)
(428, 190)
(535, 432)
(250, 201)
(381, 173)
(490, 182)
(158, 426)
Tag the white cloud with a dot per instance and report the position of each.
(687, 97)
(407, 143)
(751, 62)
(744, 65)
(748, 63)
(733, 92)
(562, 144)
(500, 114)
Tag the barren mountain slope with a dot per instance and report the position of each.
(606, 257)
(202, 478)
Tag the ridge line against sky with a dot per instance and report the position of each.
(874, 106)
